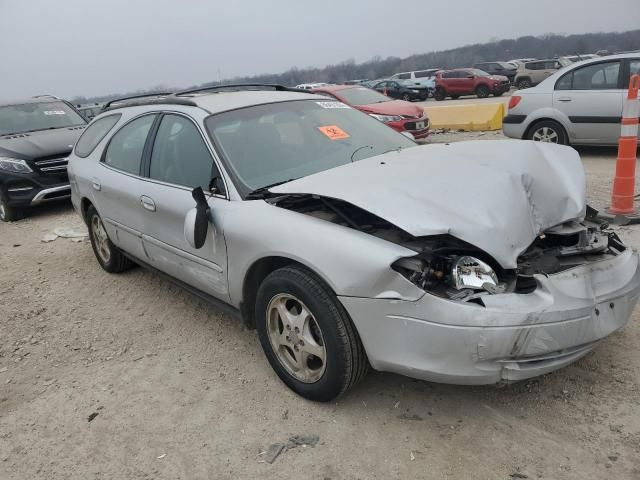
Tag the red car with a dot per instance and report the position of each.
(400, 115)
(469, 81)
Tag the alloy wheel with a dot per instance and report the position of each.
(545, 134)
(296, 338)
(100, 238)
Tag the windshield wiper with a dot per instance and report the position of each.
(261, 192)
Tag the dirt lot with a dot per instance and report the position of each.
(176, 390)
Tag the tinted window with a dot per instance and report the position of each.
(531, 65)
(424, 73)
(565, 82)
(94, 134)
(634, 67)
(404, 76)
(601, 76)
(180, 155)
(125, 148)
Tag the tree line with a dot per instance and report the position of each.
(543, 46)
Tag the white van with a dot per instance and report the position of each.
(425, 78)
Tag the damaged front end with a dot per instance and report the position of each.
(453, 269)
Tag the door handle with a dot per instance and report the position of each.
(96, 184)
(564, 99)
(148, 203)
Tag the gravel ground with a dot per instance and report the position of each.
(129, 377)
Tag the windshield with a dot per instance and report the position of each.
(362, 96)
(266, 144)
(29, 117)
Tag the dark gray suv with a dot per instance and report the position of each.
(36, 137)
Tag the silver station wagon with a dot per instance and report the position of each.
(347, 245)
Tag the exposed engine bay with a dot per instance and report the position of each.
(452, 268)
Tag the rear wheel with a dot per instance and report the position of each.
(482, 91)
(307, 336)
(107, 254)
(523, 83)
(439, 94)
(7, 212)
(548, 131)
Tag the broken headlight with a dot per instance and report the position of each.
(449, 274)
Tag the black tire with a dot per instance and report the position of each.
(439, 94)
(116, 261)
(482, 91)
(455, 97)
(345, 359)
(537, 131)
(406, 97)
(7, 212)
(523, 83)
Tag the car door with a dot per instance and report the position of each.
(590, 97)
(118, 181)
(178, 162)
(465, 81)
(394, 90)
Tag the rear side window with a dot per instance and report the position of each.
(423, 74)
(94, 134)
(126, 146)
(180, 155)
(599, 76)
(404, 76)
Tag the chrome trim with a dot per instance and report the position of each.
(19, 189)
(39, 198)
(53, 160)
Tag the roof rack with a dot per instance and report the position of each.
(147, 99)
(238, 87)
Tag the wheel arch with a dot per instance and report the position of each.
(538, 120)
(256, 273)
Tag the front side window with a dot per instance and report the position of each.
(180, 155)
(124, 151)
(31, 117)
(267, 144)
(94, 134)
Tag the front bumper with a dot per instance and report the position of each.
(515, 336)
(410, 126)
(26, 190)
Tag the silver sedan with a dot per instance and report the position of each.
(346, 245)
(579, 105)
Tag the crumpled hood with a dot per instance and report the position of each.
(32, 145)
(497, 195)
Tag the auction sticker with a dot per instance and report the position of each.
(333, 132)
(333, 105)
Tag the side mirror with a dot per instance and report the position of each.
(196, 223)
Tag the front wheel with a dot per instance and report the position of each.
(439, 94)
(7, 212)
(107, 254)
(482, 91)
(307, 336)
(548, 131)
(406, 97)
(524, 83)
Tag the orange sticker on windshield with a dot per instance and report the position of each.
(334, 132)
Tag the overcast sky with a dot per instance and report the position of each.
(94, 47)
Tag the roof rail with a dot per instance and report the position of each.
(239, 86)
(46, 95)
(134, 97)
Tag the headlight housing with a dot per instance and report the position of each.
(14, 165)
(453, 276)
(386, 118)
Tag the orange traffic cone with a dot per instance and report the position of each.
(624, 182)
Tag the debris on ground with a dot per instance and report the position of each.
(64, 232)
(92, 416)
(160, 457)
(294, 441)
(518, 475)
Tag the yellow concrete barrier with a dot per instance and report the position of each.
(468, 117)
